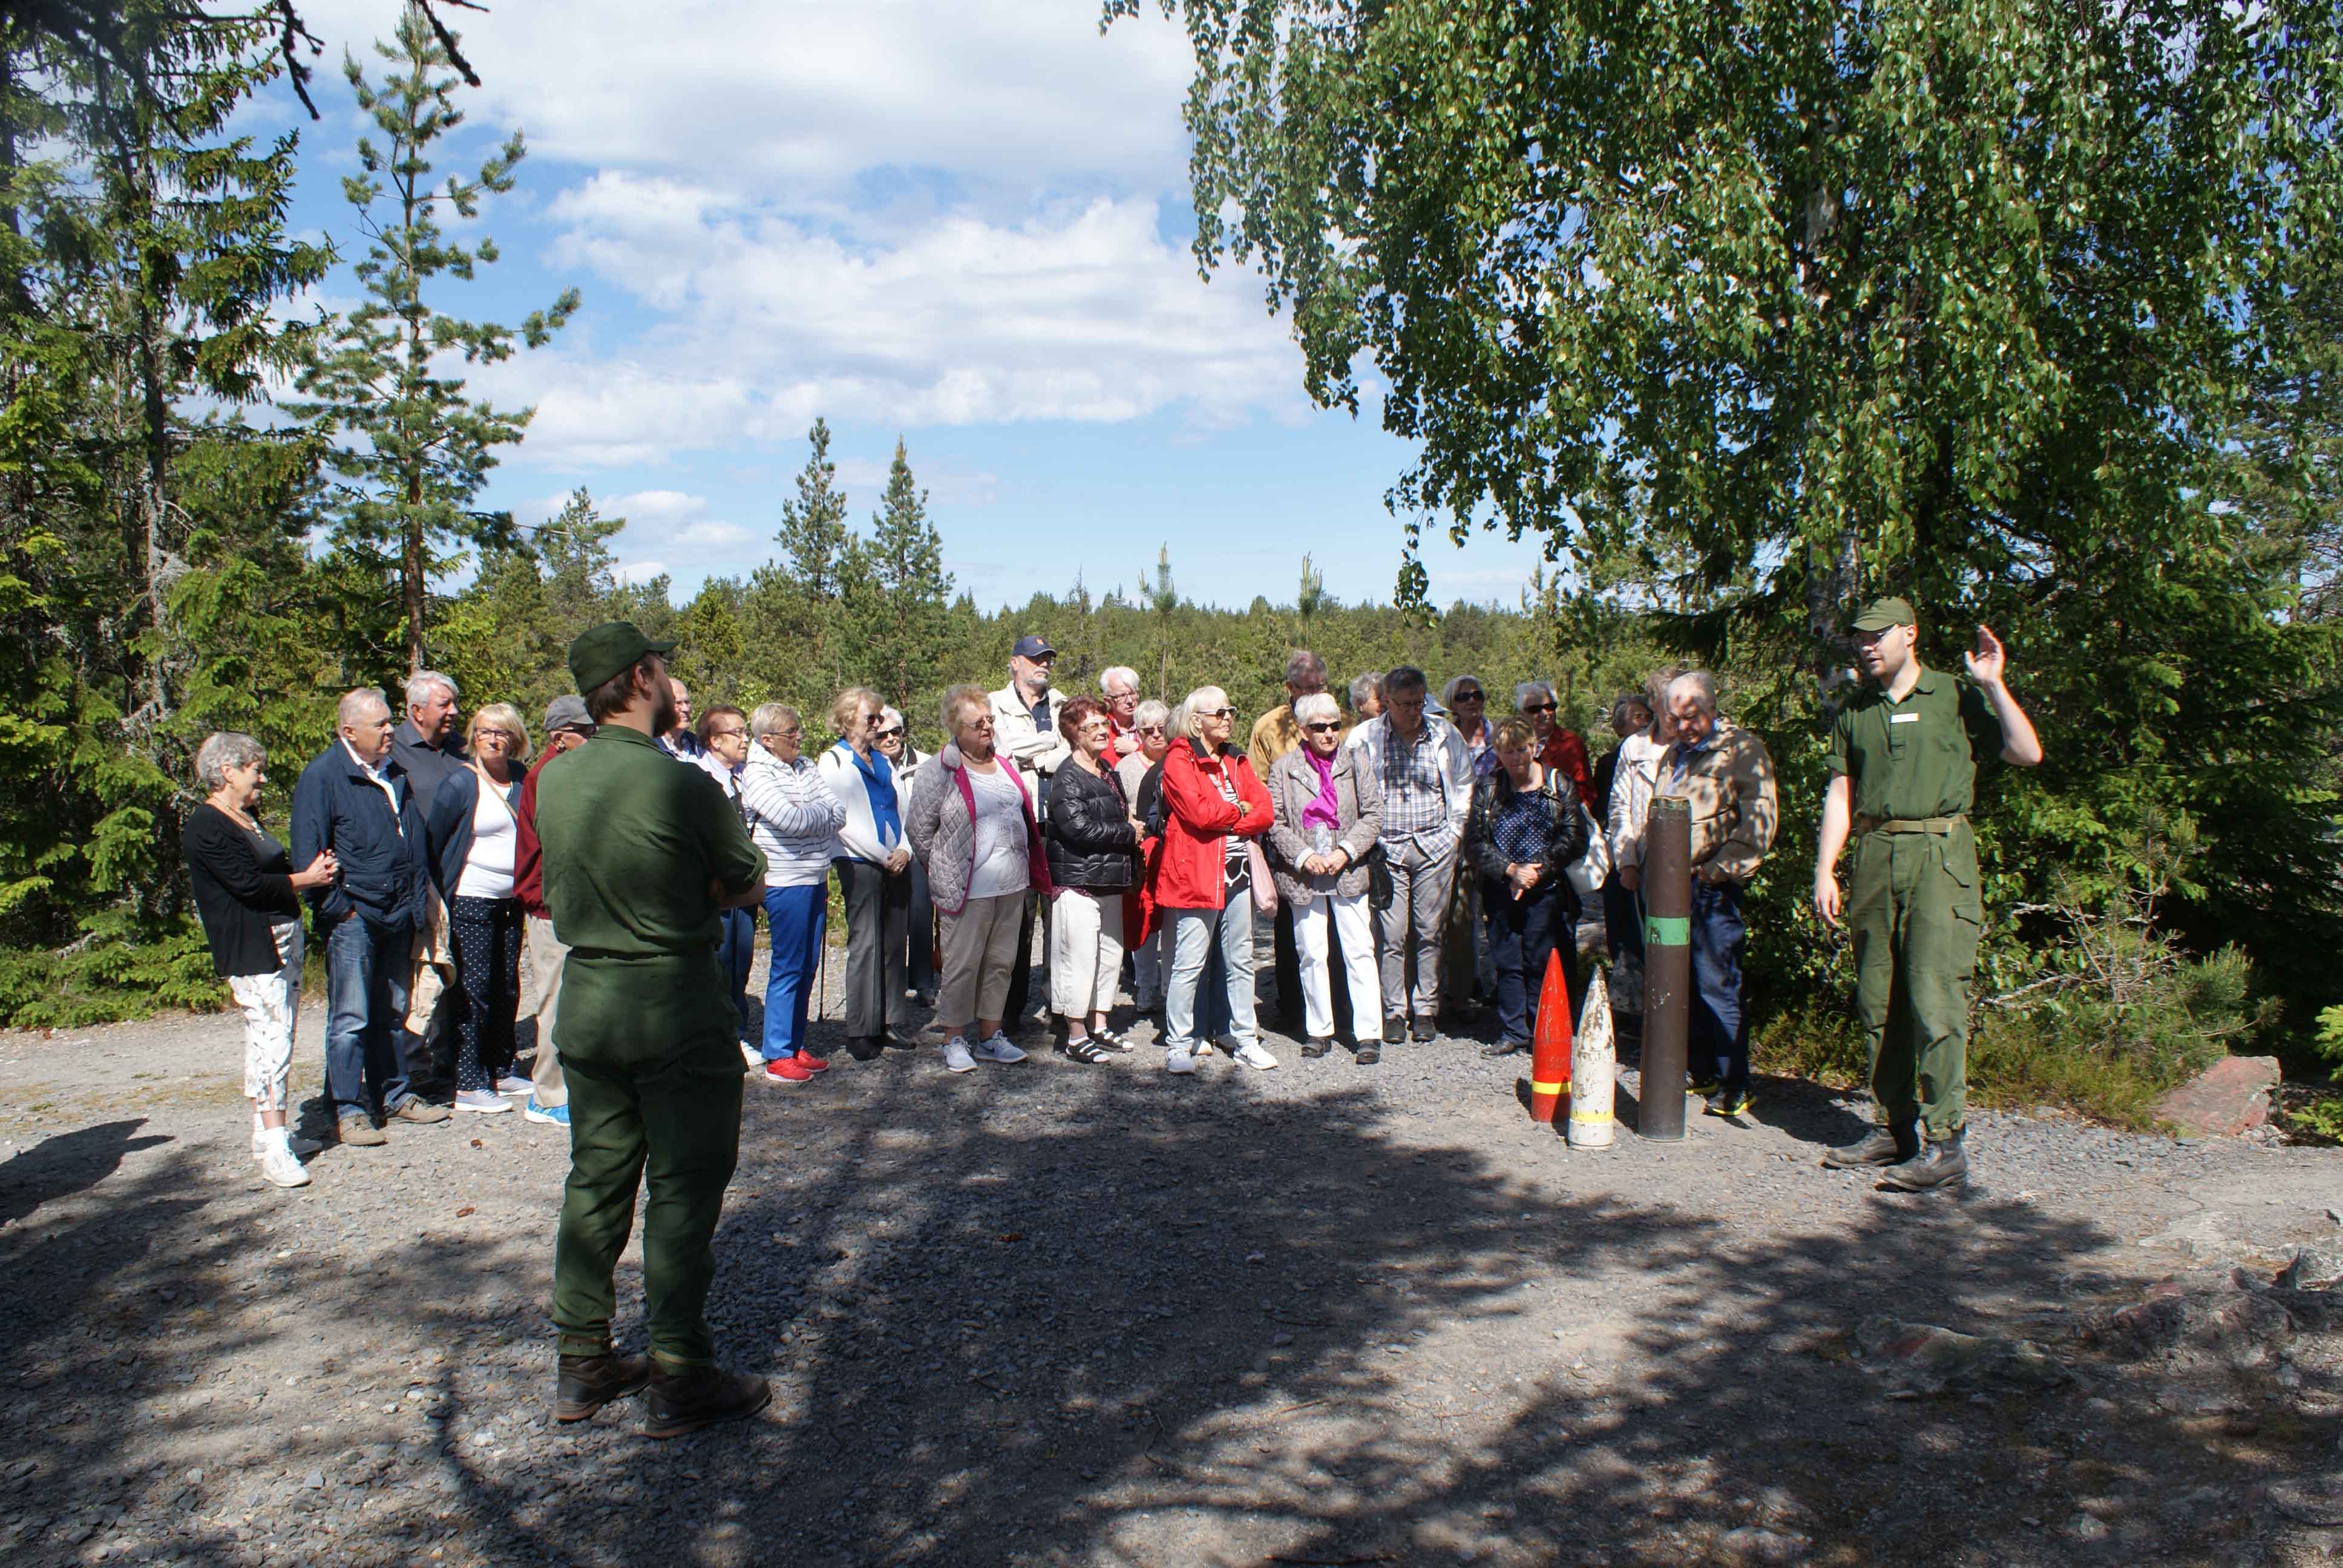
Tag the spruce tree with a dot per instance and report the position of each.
(898, 591)
(412, 449)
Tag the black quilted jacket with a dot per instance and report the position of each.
(1089, 838)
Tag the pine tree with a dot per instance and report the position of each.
(414, 450)
(900, 592)
(813, 534)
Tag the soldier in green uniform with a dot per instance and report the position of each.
(1903, 761)
(639, 855)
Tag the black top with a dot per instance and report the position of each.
(243, 881)
(1090, 840)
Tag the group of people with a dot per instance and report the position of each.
(1407, 845)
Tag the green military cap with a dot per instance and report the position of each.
(606, 652)
(1881, 613)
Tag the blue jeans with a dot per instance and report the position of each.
(1196, 935)
(1719, 1035)
(794, 918)
(736, 951)
(365, 998)
(1523, 934)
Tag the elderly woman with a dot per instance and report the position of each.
(1524, 830)
(874, 875)
(972, 826)
(794, 817)
(1327, 813)
(1466, 699)
(1150, 722)
(249, 896)
(473, 833)
(1558, 745)
(1093, 846)
(722, 732)
(1214, 809)
(894, 741)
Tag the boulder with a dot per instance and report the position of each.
(2313, 1269)
(1928, 1359)
(2228, 1098)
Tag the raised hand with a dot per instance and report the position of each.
(1985, 658)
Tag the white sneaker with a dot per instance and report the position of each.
(997, 1048)
(510, 1084)
(751, 1055)
(279, 1166)
(1204, 1048)
(482, 1101)
(1178, 1059)
(1255, 1055)
(957, 1057)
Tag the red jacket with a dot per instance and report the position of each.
(1198, 820)
(1565, 751)
(528, 855)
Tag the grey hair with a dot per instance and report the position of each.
(1188, 723)
(1118, 672)
(355, 701)
(771, 718)
(1303, 668)
(963, 696)
(1529, 688)
(419, 685)
(1700, 683)
(1316, 707)
(1619, 708)
(888, 715)
(1448, 692)
(1406, 677)
(1368, 685)
(1149, 712)
(218, 753)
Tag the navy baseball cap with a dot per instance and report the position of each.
(1033, 648)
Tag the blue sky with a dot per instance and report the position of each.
(965, 223)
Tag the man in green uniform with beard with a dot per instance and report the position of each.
(639, 855)
(1903, 761)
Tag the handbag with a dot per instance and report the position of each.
(1264, 886)
(1379, 881)
(1591, 870)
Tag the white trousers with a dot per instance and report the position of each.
(1354, 925)
(271, 1002)
(1085, 951)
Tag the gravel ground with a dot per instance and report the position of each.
(1055, 1314)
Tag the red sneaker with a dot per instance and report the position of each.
(787, 1069)
(813, 1063)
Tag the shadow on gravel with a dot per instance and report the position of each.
(1038, 1316)
(1173, 1323)
(67, 1164)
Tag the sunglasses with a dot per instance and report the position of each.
(1218, 712)
(1322, 728)
(1468, 697)
(1540, 708)
(1150, 729)
(884, 734)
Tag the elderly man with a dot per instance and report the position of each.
(1274, 734)
(682, 742)
(640, 856)
(1558, 748)
(354, 799)
(431, 747)
(1904, 759)
(1025, 731)
(1420, 762)
(1727, 775)
(567, 727)
(1120, 686)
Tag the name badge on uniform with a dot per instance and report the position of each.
(1904, 719)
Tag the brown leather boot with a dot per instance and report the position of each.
(686, 1400)
(590, 1382)
(1890, 1145)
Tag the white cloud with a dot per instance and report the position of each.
(633, 572)
(1082, 314)
(812, 93)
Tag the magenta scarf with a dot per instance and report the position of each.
(1325, 806)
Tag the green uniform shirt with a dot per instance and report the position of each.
(631, 840)
(1918, 758)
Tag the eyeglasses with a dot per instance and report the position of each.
(1322, 728)
(725, 734)
(791, 733)
(1217, 712)
(1540, 708)
(1150, 729)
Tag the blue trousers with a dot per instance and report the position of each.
(794, 916)
(735, 952)
(365, 998)
(1523, 933)
(1718, 1045)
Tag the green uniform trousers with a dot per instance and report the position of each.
(1914, 908)
(655, 1100)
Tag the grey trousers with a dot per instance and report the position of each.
(546, 955)
(1413, 925)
